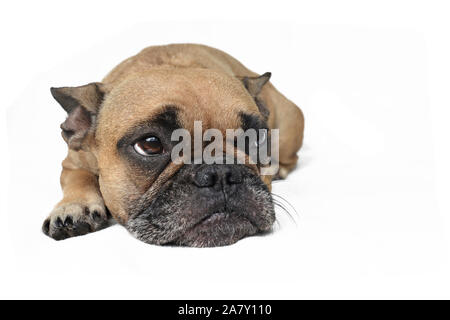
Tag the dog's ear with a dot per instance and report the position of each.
(254, 85)
(82, 104)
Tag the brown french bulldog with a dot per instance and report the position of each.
(119, 160)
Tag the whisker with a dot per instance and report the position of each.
(281, 206)
(288, 203)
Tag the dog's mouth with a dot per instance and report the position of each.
(212, 220)
(217, 229)
(184, 215)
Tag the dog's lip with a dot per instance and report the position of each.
(219, 221)
(210, 221)
(214, 217)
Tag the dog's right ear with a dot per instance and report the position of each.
(254, 85)
(82, 105)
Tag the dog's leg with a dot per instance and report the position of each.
(287, 117)
(291, 139)
(281, 114)
(81, 210)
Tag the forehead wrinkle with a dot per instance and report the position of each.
(138, 99)
(166, 117)
(219, 100)
(215, 99)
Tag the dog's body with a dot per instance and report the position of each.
(161, 88)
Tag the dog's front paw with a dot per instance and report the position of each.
(75, 219)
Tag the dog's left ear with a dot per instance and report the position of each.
(82, 105)
(254, 85)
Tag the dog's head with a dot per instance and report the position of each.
(128, 128)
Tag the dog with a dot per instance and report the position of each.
(119, 165)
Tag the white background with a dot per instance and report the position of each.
(373, 183)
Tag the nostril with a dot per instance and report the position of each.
(234, 177)
(217, 177)
(204, 179)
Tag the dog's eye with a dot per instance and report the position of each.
(262, 138)
(149, 146)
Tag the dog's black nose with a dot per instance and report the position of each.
(208, 176)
